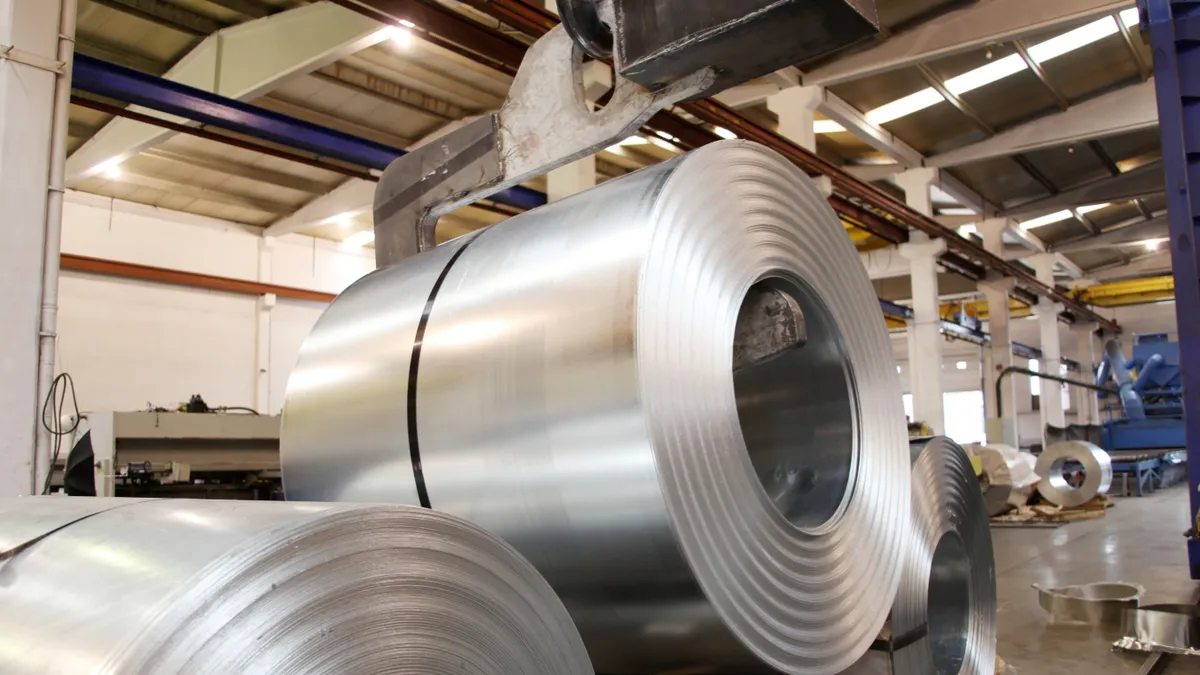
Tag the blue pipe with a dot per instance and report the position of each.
(132, 86)
(1130, 401)
(1146, 373)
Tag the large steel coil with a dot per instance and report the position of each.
(944, 618)
(1055, 486)
(566, 380)
(132, 587)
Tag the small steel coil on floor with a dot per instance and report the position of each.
(1097, 468)
(140, 587)
(566, 380)
(944, 618)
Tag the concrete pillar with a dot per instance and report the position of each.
(997, 355)
(917, 184)
(30, 27)
(580, 175)
(1087, 405)
(796, 107)
(1047, 312)
(924, 333)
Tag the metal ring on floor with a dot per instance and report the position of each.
(573, 390)
(137, 587)
(1097, 468)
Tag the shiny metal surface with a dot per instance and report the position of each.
(944, 618)
(1098, 604)
(1097, 468)
(575, 395)
(1174, 629)
(996, 481)
(134, 587)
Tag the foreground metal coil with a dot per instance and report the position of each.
(1097, 468)
(564, 379)
(944, 618)
(130, 587)
(997, 479)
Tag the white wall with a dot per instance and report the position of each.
(127, 343)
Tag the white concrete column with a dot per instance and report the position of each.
(30, 28)
(924, 333)
(262, 330)
(580, 175)
(997, 355)
(796, 107)
(1087, 405)
(1047, 312)
(917, 184)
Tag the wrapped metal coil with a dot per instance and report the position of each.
(566, 380)
(944, 618)
(1097, 469)
(997, 479)
(129, 587)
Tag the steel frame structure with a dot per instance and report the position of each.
(1174, 27)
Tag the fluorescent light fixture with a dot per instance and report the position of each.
(956, 211)
(997, 70)
(967, 230)
(359, 239)
(633, 140)
(1092, 207)
(961, 365)
(400, 36)
(724, 133)
(904, 106)
(1047, 219)
(663, 134)
(1072, 40)
(897, 369)
(344, 220)
(1129, 17)
(827, 127)
(407, 24)
(112, 170)
(1153, 244)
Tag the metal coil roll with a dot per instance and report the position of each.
(997, 478)
(566, 380)
(944, 618)
(1054, 487)
(129, 587)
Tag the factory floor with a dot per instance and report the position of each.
(1139, 540)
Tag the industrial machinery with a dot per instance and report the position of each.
(1150, 389)
(174, 454)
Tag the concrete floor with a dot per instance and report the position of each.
(1139, 540)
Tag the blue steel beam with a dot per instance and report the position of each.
(102, 78)
(1174, 27)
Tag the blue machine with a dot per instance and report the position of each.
(1151, 403)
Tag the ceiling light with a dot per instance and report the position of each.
(400, 36)
(1072, 40)
(961, 365)
(664, 145)
(1093, 207)
(359, 239)
(112, 170)
(1129, 17)
(663, 134)
(343, 220)
(956, 211)
(967, 230)
(1047, 219)
(904, 106)
(996, 70)
(827, 127)
(1153, 244)
(407, 24)
(633, 140)
(724, 133)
